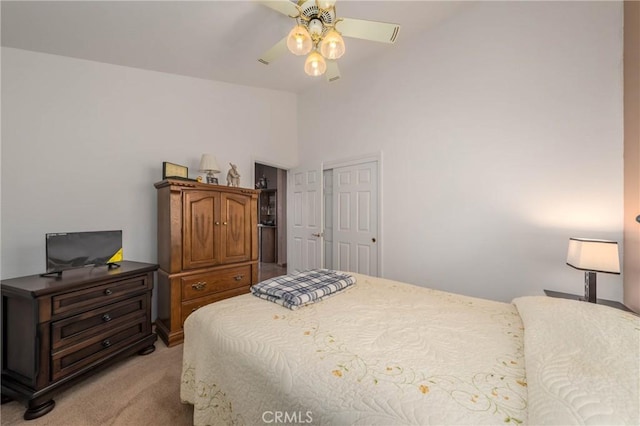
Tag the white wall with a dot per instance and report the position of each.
(83, 143)
(501, 133)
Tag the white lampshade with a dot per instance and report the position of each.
(208, 163)
(332, 46)
(299, 41)
(593, 255)
(315, 64)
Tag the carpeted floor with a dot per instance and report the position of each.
(140, 390)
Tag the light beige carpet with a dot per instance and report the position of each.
(140, 390)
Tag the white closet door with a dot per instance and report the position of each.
(355, 218)
(328, 218)
(304, 200)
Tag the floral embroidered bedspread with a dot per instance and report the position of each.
(582, 362)
(380, 352)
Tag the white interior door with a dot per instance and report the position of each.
(355, 218)
(304, 200)
(327, 234)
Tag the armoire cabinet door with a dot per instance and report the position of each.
(201, 226)
(236, 228)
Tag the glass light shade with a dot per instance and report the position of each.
(208, 163)
(332, 46)
(315, 64)
(299, 41)
(326, 4)
(593, 255)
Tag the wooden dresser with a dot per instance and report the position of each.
(207, 249)
(57, 330)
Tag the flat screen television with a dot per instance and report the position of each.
(70, 250)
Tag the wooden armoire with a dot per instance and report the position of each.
(207, 249)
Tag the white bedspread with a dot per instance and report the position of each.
(381, 352)
(582, 362)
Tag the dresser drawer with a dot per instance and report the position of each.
(79, 327)
(74, 358)
(193, 305)
(81, 300)
(200, 285)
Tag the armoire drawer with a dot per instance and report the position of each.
(204, 284)
(80, 327)
(87, 298)
(195, 304)
(74, 358)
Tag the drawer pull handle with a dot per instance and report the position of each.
(217, 223)
(106, 318)
(108, 292)
(199, 285)
(238, 277)
(225, 223)
(106, 343)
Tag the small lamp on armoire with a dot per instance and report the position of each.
(593, 256)
(209, 165)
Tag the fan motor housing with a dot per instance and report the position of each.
(309, 10)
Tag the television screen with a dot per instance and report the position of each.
(69, 250)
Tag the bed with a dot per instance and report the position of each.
(382, 352)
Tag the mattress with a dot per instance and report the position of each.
(385, 352)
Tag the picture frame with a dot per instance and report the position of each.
(172, 170)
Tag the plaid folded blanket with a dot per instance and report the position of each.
(295, 291)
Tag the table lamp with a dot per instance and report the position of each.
(209, 165)
(593, 256)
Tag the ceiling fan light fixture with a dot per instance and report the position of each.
(325, 4)
(299, 41)
(332, 46)
(316, 28)
(315, 64)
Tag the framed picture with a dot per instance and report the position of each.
(170, 170)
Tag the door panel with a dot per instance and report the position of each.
(355, 232)
(305, 230)
(199, 236)
(236, 228)
(328, 218)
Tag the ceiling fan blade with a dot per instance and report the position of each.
(332, 72)
(275, 52)
(368, 30)
(283, 6)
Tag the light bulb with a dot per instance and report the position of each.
(332, 46)
(315, 64)
(299, 41)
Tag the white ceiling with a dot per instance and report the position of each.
(217, 40)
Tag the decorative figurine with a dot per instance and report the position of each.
(233, 177)
(262, 183)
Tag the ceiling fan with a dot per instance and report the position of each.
(318, 34)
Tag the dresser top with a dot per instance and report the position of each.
(179, 184)
(37, 285)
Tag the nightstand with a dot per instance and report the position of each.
(611, 303)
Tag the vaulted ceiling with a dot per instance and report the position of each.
(217, 40)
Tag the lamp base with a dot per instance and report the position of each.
(212, 179)
(589, 287)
